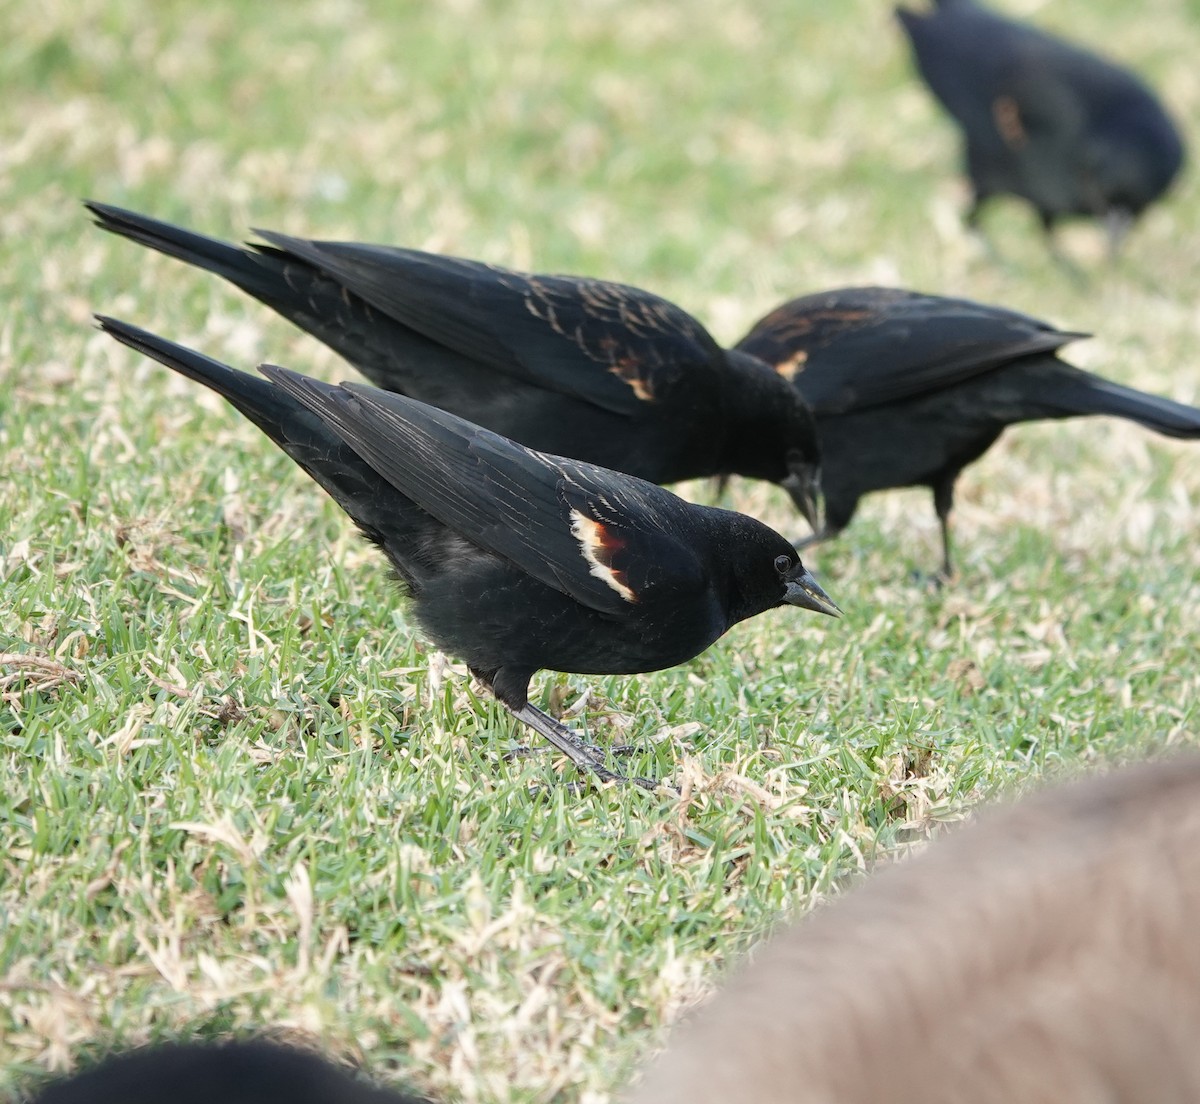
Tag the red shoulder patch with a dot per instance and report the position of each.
(598, 545)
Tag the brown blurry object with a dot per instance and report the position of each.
(1048, 952)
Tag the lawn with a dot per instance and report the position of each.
(237, 790)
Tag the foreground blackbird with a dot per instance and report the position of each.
(908, 389)
(1043, 119)
(584, 368)
(1046, 953)
(247, 1072)
(516, 560)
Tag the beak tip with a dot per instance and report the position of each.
(830, 608)
(809, 595)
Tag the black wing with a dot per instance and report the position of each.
(860, 347)
(608, 540)
(406, 533)
(606, 343)
(969, 56)
(1019, 95)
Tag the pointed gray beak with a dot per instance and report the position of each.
(803, 483)
(802, 590)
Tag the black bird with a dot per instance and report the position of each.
(908, 389)
(515, 560)
(1044, 119)
(578, 367)
(251, 1071)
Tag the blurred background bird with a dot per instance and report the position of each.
(1044, 119)
(246, 1071)
(1046, 953)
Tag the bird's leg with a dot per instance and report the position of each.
(947, 570)
(1073, 271)
(973, 216)
(974, 224)
(943, 502)
(510, 686)
(585, 756)
(826, 532)
(617, 751)
(579, 751)
(1117, 221)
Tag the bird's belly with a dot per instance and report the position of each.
(871, 451)
(518, 621)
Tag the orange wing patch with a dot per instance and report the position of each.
(1007, 116)
(627, 370)
(598, 545)
(793, 366)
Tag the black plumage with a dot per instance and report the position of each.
(1044, 119)
(515, 560)
(578, 367)
(908, 389)
(252, 1071)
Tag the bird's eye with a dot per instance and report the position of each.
(783, 564)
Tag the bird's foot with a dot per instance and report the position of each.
(588, 758)
(1076, 275)
(933, 581)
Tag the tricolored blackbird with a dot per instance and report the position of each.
(516, 560)
(1044, 119)
(908, 389)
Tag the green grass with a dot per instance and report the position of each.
(238, 792)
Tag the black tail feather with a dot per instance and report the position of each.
(384, 515)
(279, 416)
(290, 285)
(1085, 393)
(250, 271)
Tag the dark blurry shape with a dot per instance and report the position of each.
(1048, 953)
(1044, 119)
(907, 389)
(590, 369)
(247, 1072)
(515, 560)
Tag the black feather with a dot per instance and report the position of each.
(251, 1071)
(907, 389)
(1043, 119)
(515, 560)
(599, 371)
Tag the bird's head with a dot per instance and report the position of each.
(803, 484)
(760, 568)
(771, 432)
(799, 587)
(1132, 156)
